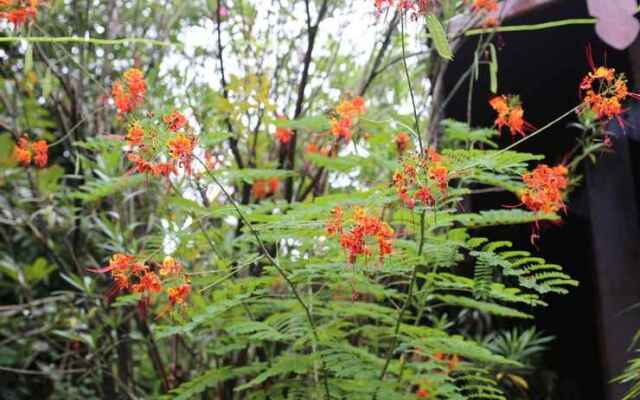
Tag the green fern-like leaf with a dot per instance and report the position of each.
(98, 189)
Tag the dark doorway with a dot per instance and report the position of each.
(545, 69)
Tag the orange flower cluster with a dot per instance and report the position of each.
(422, 392)
(135, 135)
(18, 12)
(490, 22)
(341, 128)
(422, 179)
(175, 120)
(128, 93)
(544, 188)
(312, 148)
(484, 5)
(352, 108)
(604, 91)
(417, 7)
(402, 141)
(510, 114)
(180, 146)
(453, 361)
(156, 169)
(265, 187)
(346, 112)
(26, 152)
(181, 150)
(283, 135)
(364, 227)
(136, 277)
(178, 295)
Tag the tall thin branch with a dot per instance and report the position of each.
(233, 141)
(374, 71)
(312, 32)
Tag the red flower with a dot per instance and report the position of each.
(175, 120)
(262, 188)
(484, 5)
(149, 282)
(604, 91)
(440, 174)
(433, 156)
(143, 166)
(453, 360)
(120, 97)
(334, 226)
(136, 84)
(129, 275)
(510, 114)
(135, 134)
(346, 112)
(163, 169)
(170, 267)
(274, 184)
(341, 128)
(119, 263)
(19, 13)
(402, 141)
(41, 151)
(350, 109)
(417, 7)
(283, 135)
(120, 268)
(181, 149)
(120, 284)
(544, 188)
(179, 294)
(25, 152)
(311, 148)
(425, 196)
(424, 177)
(259, 189)
(129, 92)
(22, 152)
(365, 227)
(490, 22)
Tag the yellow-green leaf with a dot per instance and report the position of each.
(28, 59)
(439, 37)
(493, 69)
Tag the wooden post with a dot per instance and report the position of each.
(616, 248)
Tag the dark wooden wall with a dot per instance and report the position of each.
(599, 241)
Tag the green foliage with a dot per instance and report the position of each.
(630, 376)
(524, 346)
(101, 188)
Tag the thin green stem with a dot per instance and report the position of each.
(406, 72)
(538, 131)
(392, 121)
(412, 284)
(524, 139)
(532, 27)
(86, 39)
